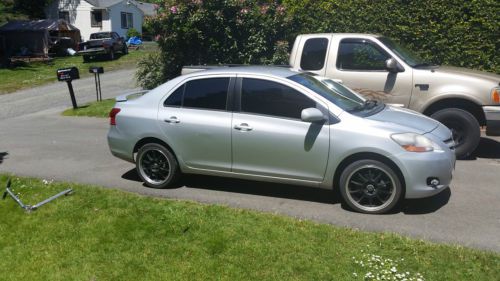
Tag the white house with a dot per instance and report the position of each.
(101, 15)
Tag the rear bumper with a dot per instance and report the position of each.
(118, 146)
(492, 114)
(93, 51)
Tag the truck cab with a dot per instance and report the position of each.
(380, 69)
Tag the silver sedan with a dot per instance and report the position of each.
(273, 124)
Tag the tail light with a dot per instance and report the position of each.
(112, 116)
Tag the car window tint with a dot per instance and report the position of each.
(175, 99)
(210, 93)
(360, 55)
(271, 98)
(314, 54)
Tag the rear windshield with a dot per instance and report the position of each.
(100, 35)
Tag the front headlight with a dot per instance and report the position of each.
(495, 95)
(415, 143)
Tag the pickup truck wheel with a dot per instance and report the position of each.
(157, 166)
(369, 186)
(465, 129)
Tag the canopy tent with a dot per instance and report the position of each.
(35, 37)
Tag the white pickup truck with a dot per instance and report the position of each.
(380, 69)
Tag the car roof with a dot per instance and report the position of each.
(266, 70)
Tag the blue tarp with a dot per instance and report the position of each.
(134, 41)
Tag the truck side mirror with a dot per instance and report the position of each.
(392, 65)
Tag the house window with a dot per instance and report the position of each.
(96, 18)
(127, 20)
(64, 15)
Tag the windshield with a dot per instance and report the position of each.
(408, 56)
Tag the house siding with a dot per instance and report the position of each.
(79, 16)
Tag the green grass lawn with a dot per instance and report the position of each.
(39, 73)
(102, 234)
(93, 109)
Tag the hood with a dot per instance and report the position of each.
(460, 71)
(405, 117)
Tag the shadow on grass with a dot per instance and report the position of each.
(3, 156)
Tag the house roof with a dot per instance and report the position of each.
(24, 25)
(103, 3)
(147, 8)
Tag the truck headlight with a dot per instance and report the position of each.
(495, 95)
(415, 143)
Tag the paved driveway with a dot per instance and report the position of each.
(46, 145)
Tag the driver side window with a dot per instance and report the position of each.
(361, 55)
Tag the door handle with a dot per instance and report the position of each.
(243, 127)
(172, 119)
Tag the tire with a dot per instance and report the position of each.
(370, 187)
(86, 58)
(157, 166)
(465, 129)
(111, 54)
(125, 49)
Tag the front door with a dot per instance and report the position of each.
(361, 66)
(270, 139)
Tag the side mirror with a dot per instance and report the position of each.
(311, 115)
(392, 65)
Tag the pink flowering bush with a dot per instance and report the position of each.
(193, 32)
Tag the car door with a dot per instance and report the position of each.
(361, 66)
(270, 139)
(196, 124)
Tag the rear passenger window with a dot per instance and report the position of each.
(175, 99)
(314, 54)
(210, 93)
(271, 98)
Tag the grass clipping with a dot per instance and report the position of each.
(101, 234)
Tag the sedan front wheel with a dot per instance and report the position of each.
(156, 166)
(370, 186)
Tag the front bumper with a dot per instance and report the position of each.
(418, 168)
(492, 114)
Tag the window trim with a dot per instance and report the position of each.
(96, 24)
(360, 40)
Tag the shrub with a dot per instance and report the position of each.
(150, 70)
(132, 32)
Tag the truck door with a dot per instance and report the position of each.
(360, 65)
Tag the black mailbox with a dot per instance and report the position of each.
(96, 69)
(68, 74)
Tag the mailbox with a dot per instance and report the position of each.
(68, 74)
(96, 69)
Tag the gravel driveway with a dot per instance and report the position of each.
(44, 144)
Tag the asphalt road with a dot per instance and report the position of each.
(44, 144)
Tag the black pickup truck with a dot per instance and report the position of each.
(102, 43)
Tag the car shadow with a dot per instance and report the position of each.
(302, 193)
(488, 148)
(3, 155)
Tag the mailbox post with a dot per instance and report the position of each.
(97, 70)
(68, 75)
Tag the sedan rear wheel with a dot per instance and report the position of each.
(370, 186)
(156, 166)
